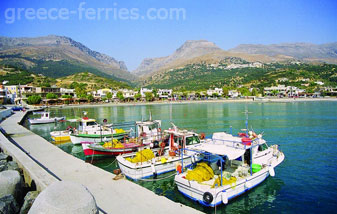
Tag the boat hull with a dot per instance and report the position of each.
(60, 136)
(148, 169)
(89, 152)
(44, 121)
(78, 139)
(194, 191)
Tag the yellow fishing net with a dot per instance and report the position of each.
(202, 172)
(142, 156)
(119, 131)
(114, 144)
(231, 182)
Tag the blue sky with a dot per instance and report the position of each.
(228, 23)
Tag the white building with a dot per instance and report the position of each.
(145, 90)
(319, 83)
(68, 91)
(101, 93)
(128, 93)
(233, 93)
(218, 91)
(164, 93)
(280, 90)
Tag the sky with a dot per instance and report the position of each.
(133, 30)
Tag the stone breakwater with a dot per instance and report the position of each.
(15, 196)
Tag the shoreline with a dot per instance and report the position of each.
(248, 100)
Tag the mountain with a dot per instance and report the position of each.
(302, 51)
(58, 56)
(190, 49)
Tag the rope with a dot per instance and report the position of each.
(109, 164)
(149, 180)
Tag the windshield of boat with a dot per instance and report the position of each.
(263, 147)
(192, 140)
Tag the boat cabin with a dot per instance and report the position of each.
(149, 130)
(238, 151)
(180, 139)
(86, 124)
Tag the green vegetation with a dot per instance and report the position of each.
(51, 96)
(120, 95)
(34, 99)
(202, 77)
(149, 96)
(15, 76)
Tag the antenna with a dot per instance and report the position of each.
(150, 116)
(246, 112)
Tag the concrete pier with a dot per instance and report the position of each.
(53, 164)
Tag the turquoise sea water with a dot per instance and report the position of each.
(306, 182)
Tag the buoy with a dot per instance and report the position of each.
(224, 197)
(248, 184)
(271, 171)
(179, 168)
(163, 160)
(153, 170)
(207, 197)
(117, 171)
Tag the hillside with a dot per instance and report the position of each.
(92, 81)
(16, 76)
(234, 72)
(302, 51)
(58, 56)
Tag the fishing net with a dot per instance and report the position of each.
(119, 131)
(142, 156)
(202, 172)
(225, 181)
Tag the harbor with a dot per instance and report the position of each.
(44, 169)
(271, 119)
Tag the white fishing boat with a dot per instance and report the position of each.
(231, 166)
(44, 118)
(60, 136)
(90, 131)
(147, 163)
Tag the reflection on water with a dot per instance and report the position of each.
(305, 131)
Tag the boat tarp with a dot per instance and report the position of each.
(232, 153)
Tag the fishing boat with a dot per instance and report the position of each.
(108, 149)
(147, 163)
(147, 134)
(90, 131)
(44, 118)
(60, 136)
(231, 166)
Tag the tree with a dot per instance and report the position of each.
(120, 95)
(109, 95)
(51, 96)
(197, 94)
(244, 91)
(155, 93)
(90, 98)
(225, 91)
(185, 94)
(274, 92)
(148, 96)
(34, 99)
(138, 96)
(215, 95)
(254, 92)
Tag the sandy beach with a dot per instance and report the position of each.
(242, 100)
